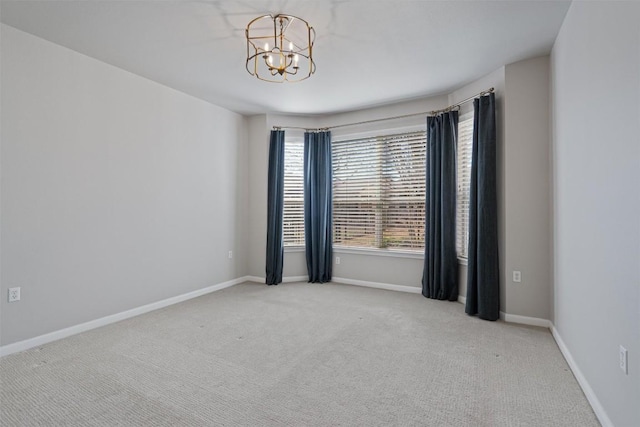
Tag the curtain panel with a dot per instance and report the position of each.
(318, 206)
(483, 273)
(440, 273)
(275, 208)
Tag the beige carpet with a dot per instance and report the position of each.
(297, 355)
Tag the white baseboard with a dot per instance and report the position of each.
(586, 388)
(103, 321)
(524, 320)
(514, 318)
(292, 279)
(387, 286)
(289, 279)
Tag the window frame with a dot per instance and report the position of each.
(384, 252)
(298, 247)
(373, 133)
(462, 258)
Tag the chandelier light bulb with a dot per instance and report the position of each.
(266, 47)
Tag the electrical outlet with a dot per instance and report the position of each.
(623, 360)
(517, 277)
(230, 254)
(337, 260)
(14, 294)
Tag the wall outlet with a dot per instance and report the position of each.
(623, 360)
(337, 260)
(230, 254)
(14, 294)
(517, 277)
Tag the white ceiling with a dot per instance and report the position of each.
(367, 52)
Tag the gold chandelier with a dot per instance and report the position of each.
(280, 48)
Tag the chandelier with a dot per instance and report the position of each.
(279, 48)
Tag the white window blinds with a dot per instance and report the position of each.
(379, 191)
(293, 222)
(465, 144)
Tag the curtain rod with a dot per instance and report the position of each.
(430, 113)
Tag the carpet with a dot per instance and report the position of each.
(297, 354)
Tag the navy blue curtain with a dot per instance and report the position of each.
(483, 285)
(275, 206)
(440, 273)
(318, 205)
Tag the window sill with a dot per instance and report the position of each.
(374, 252)
(379, 252)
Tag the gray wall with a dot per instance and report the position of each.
(258, 158)
(116, 191)
(526, 188)
(596, 151)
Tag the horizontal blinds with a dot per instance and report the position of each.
(379, 191)
(465, 144)
(293, 223)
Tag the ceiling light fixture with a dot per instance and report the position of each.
(280, 48)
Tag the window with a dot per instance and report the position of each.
(465, 144)
(293, 226)
(379, 191)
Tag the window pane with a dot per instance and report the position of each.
(465, 144)
(404, 189)
(356, 192)
(379, 191)
(293, 196)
